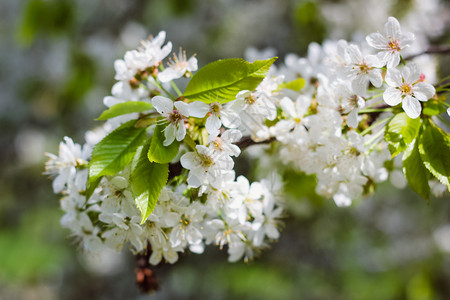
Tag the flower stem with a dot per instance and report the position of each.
(374, 110)
(379, 122)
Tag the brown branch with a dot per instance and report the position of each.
(145, 277)
(436, 49)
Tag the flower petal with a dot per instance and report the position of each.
(393, 59)
(163, 105)
(392, 28)
(412, 107)
(182, 107)
(359, 84)
(169, 134)
(198, 109)
(423, 91)
(288, 107)
(375, 77)
(393, 78)
(354, 54)
(169, 74)
(181, 131)
(213, 123)
(411, 73)
(377, 40)
(352, 118)
(392, 96)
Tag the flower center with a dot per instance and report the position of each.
(364, 68)
(206, 161)
(406, 89)
(175, 116)
(353, 101)
(215, 108)
(393, 45)
(250, 99)
(217, 144)
(185, 220)
(179, 62)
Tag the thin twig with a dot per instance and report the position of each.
(436, 49)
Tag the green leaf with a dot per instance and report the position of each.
(434, 148)
(125, 108)
(295, 85)
(223, 79)
(400, 132)
(158, 152)
(113, 153)
(433, 107)
(147, 180)
(415, 171)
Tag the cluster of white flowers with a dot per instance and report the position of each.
(230, 212)
(317, 126)
(316, 129)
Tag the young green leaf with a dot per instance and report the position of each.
(295, 85)
(147, 180)
(415, 171)
(400, 132)
(434, 148)
(125, 108)
(113, 153)
(158, 152)
(223, 79)
(433, 107)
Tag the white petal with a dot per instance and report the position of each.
(374, 61)
(406, 39)
(392, 96)
(423, 91)
(181, 131)
(192, 64)
(189, 160)
(377, 40)
(412, 107)
(375, 77)
(198, 109)
(232, 135)
(193, 180)
(393, 78)
(302, 104)
(271, 231)
(169, 134)
(393, 59)
(169, 74)
(110, 101)
(288, 107)
(182, 107)
(411, 73)
(355, 54)
(359, 84)
(230, 118)
(392, 28)
(352, 118)
(213, 123)
(163, 105)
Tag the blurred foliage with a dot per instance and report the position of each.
(309, 25)
(57, 58)
(43, 17)
(32, 251)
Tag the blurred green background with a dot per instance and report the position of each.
(56, 65)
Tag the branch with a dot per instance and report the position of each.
(436, 49)
(145, 277)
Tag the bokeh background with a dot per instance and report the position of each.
(56, 65)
